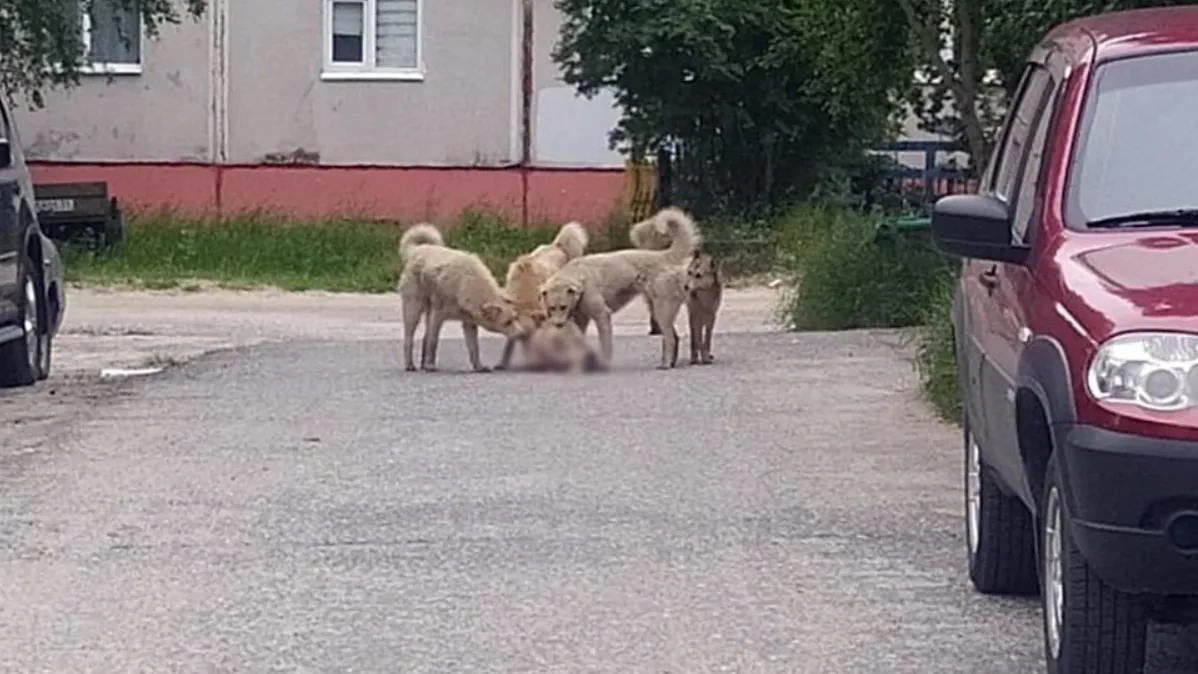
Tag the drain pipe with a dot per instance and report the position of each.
(526, 89)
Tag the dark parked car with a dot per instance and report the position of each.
(32, 296)
(1076, 324)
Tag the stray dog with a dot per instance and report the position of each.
(704, 290)
(526, 274)
(649, 238)
(442, 284)
(593, 287)
(697, 285)
(560, 348)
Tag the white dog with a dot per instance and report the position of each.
(444, 284)
(593, 287)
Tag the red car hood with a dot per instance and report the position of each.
(1121, 281)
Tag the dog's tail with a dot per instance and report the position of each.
(572, 239)
(422, 234)
(671, 230)
(646, 235)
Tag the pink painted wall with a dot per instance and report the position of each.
(402, 193)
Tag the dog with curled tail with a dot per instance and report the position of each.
(526, 274)
(595, 286)
(440, 284)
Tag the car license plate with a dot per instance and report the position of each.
(55, 205)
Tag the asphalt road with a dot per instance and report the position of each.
(310, 507)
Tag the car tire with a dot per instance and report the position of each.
(21, 359)
(1000, 534)
(1089, 627)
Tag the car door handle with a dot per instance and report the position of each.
(989, 278)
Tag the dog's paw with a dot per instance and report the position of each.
(709, 359)
(695, 360)
(428, 368)
(409, 368)
(482, 369)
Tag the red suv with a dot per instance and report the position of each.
(1076, 324)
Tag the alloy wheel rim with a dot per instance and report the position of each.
(31, 328)
(973, 494)
(1054, 588)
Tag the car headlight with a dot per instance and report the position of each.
(1153, 370)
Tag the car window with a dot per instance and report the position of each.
(1027, 196)
(1010, 156)
(1135, 149)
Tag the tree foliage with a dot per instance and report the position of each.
(41, 41)
(755, 97)
(992, 37)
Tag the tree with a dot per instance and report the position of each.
(756, 97)
(964, 95)
(41, 42)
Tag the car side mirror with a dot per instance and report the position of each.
(5, 153)
(976, 226)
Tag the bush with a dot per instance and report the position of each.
(848, 277)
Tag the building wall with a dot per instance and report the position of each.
(461, 114)
(161, 114)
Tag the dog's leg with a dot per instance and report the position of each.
(432, 335)
(654, 328)
(506, 359)
(470, 332)
(696, 332)
(665, 310)
(594, 308)
(413, 308)
(709, 328)
(582, 320)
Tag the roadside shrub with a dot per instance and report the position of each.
(847, 278)
(936, 358)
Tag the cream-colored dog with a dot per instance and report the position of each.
(593, 287)
(442, 284)
(526, 274)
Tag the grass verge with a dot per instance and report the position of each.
(163, 250)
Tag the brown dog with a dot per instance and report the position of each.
(704, 291)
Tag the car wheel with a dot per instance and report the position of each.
(999, 531)
(1089, 627)
(21, 359)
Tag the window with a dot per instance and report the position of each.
(111, 35)
(1027, 199)
(373, 39)
(1134, 150)
(1011, 153)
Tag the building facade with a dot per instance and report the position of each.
(384, 108)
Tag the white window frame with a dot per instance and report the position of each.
(367, 70)
(104, 67)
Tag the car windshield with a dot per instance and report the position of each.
(1138, 146)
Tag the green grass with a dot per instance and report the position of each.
(164, 251)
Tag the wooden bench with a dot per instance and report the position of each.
(68, 211)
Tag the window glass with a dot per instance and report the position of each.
(348, 24)
(1014, 149)
(1137, 148)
